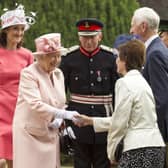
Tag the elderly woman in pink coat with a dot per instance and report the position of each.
(40, 108)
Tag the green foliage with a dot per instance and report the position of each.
(61, 16)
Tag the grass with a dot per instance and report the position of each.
(66, 161)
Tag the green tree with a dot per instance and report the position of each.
(61, 16)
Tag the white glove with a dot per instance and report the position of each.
(70, 115)
(65, 114)
(68, 131)
(56, 123)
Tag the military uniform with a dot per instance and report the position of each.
(90, 80)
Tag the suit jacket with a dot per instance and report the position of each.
(134, 118)
(156, 73)
(38, 97)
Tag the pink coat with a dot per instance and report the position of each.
(35, 145)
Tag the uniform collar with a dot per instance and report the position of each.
(88, 54)
(132, 72)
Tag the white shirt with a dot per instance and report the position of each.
(148, 42)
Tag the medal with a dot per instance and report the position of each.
(99, 78)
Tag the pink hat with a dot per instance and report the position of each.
(47, 43)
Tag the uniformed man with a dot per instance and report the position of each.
(90, 75)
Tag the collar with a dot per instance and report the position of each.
(149, 41)
(132, 72)
(89, 54)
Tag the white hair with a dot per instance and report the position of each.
(147, 15)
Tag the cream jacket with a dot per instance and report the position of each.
(134, 118)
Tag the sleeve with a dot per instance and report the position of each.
(115, 77)
(101, 124)
(30, 92)
(158, 71)
(29, 55)
(120, 118)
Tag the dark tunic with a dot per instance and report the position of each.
(90, 74)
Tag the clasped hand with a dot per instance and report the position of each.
(82, 120)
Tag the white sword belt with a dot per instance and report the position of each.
(91, 99)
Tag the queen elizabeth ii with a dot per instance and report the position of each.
(41, 102)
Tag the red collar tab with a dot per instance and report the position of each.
(88, 54)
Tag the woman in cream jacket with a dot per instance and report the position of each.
(40, 108)
(134, 118)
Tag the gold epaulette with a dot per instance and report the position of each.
(106, 48)
(70, 49)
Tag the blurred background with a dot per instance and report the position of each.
(61, 16)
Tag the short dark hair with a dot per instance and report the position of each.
(133, 54)
(3, 39)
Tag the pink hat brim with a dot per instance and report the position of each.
(42, 53)
(62, 49)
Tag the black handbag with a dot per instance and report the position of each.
(119, 150)
(66, 143)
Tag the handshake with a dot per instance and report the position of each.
(79, 120)
(66, 114)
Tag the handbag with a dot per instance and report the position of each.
(119, 150)
(66, 142)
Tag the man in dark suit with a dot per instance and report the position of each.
(145, 23)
